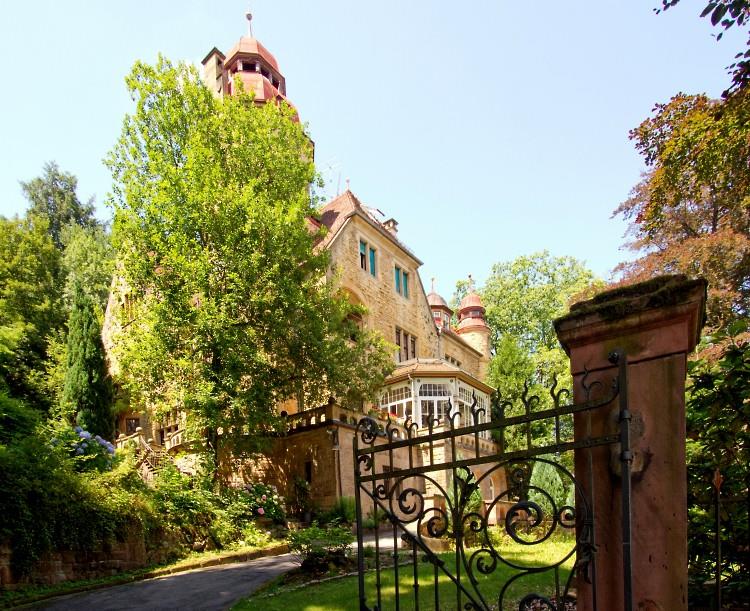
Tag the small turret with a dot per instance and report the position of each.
(251, 63)
(472, 325)
(441, 313)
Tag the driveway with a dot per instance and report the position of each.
(211, 589)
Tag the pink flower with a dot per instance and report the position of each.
(261, 511)
(263, 497)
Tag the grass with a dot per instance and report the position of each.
(34, 592)
(343, 594)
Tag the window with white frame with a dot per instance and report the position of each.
(433, 402)
(465, 401)
(398, 401)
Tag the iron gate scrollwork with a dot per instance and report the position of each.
(423, 486)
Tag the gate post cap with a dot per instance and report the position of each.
(622, 311)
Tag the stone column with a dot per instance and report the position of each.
(656, 323)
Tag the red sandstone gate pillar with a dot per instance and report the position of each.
(657, 323)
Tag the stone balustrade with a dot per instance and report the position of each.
(174, 440)
(124, 441)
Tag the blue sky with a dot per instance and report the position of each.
(486, 130)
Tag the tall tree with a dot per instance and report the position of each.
(87, 262)
(30, 307)
(690, 213)
(525, 295)
(227, 313)
(53, 197)
(522, 298)
(86, 392)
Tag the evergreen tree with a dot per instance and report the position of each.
(545, 478)
(87, 392)
(53, 197)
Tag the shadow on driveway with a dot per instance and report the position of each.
(212, 589)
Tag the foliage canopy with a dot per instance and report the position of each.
(228, 313)
(718, 403)
(689, 214)
(727, 14)
(522, 298)
(30, 306)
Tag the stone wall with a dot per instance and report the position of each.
(331, 463)
(328, 448)
(109, 559)
(471, 361)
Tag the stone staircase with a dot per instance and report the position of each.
(150, 458)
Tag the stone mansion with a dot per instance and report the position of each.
(436, 362)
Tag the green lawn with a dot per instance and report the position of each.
(342, 594)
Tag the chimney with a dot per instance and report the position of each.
(391, 225)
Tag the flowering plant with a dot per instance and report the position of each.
(88, 451)
(263, 501)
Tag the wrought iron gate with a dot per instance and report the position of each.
(420, 487)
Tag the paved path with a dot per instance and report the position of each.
(211, 589)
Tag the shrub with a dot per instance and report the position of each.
(474, 504)
(263, 501)
(315, 547)
(183, 506)
(252, 535)
(45, 505)
(16, 419)
(545, 478)
(203, 517)
(369, 521)
(344, 511)
(89, 452)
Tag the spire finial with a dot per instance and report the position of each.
(471, 283)
(347, 184)
(249, 17)
(432, 290)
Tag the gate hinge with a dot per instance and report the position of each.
(626, 456)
